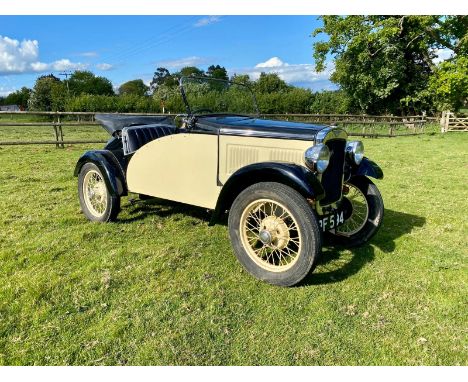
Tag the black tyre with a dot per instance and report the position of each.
(95, 199)
(366, 215)
(274, 233)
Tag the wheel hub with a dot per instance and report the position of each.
(265, 237)
(274, 232)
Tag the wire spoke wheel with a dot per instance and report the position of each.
(270, 234)
(95, 193)
(274, 233)
(359, 214)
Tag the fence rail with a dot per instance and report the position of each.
(412, 125)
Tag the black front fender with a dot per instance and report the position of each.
(110, 167)
(367, 168)
(297, 177)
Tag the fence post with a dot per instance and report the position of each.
(447, 121)
(60, 132)
(56, 132)
(442, 122)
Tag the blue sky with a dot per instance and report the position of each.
(123, 48)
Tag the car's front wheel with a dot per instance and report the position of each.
(274, 233)
(367, 210)
(96, 201)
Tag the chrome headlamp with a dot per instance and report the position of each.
(317, 158)
(355, 151)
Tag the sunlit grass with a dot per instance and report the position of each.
(162, 287)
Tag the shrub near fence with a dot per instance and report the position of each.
(356, 125)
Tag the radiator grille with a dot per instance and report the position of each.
(332, 178)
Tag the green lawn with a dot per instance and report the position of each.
(162, 287)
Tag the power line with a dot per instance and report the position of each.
(162, 37)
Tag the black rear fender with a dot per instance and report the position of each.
(110, 167)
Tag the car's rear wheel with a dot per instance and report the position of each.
(367, 210)
(274, 233)
(96, 201)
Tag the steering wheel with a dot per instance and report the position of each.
(202, 109)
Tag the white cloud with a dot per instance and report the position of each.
(4, 91)
(87, 54)
(207, 21)
(23, 57)
(273, 62)
(66, 64)
(104, 66)
(296, 74)
(183, 62)
(442, 55)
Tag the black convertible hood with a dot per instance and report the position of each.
(241, 125)
(113, 123)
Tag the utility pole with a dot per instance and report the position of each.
(66, 74)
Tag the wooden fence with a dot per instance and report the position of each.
(451, 122)
(368, 125)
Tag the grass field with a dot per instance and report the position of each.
(162, 287)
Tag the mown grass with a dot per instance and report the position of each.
(162, 287)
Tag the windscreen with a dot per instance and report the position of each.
(212, 96)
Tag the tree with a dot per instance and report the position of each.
(449, 84)
(191, 71)
(241, 79)
(85, 82)
(48, 94)
(19, 97)
(330, 102)
(162, 76)
(136, 87)
(270, 83)
(384, 63)
(218, 72)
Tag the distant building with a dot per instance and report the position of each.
(10, 108)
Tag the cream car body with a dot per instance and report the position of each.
(202, 164)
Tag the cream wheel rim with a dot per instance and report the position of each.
(270, 235)
(95, 193)
(359, 214)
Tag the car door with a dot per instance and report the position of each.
(181, 167)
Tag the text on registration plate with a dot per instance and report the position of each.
(331, 221)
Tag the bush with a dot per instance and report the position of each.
(125, 103)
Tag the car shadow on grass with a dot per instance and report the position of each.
(140, 209)
(337, 263)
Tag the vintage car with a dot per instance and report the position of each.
(284, 185)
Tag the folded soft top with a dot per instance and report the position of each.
(113, 123)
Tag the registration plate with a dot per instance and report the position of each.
(331, 221)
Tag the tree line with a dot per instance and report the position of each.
(84, 91)
(381, 64)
